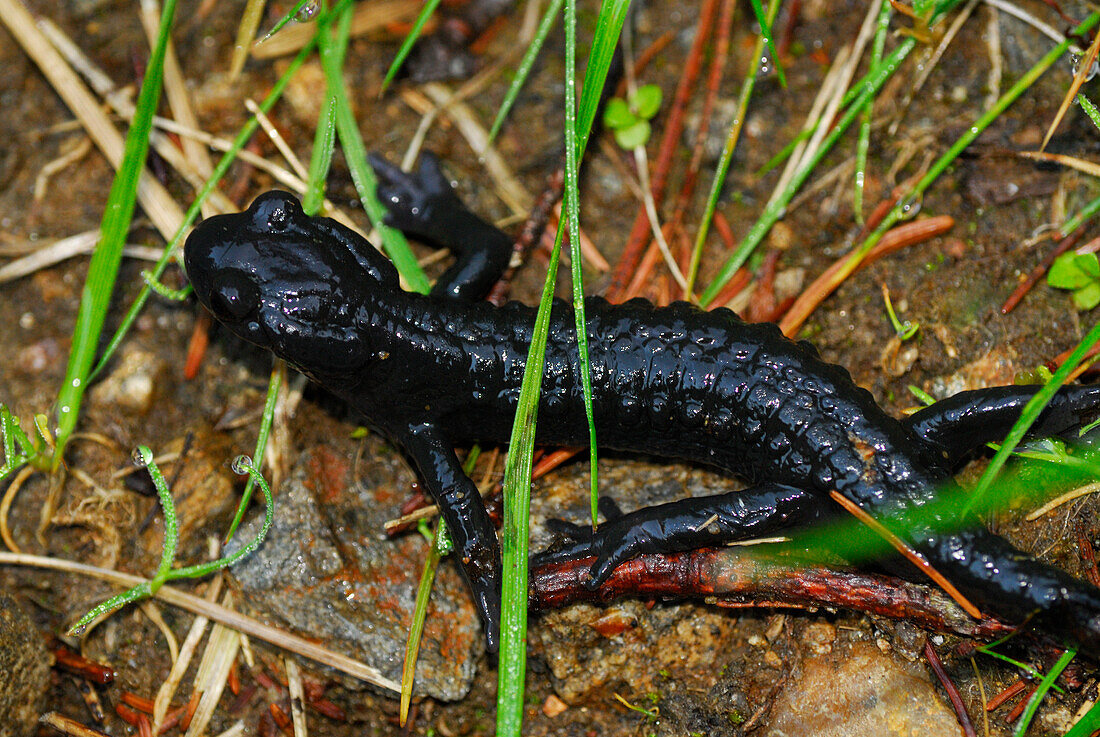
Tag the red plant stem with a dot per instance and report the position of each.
(952, 692)
(1005, 695)
(895, 239)
(1020, 705)
(1037, 273)
(742, 576)
(636, 242)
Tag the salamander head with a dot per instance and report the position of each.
(287, 282)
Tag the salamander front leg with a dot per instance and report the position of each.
(967, 420)
(425, 206)
(687, 524)
(471, 530)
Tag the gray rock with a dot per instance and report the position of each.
(328, 572)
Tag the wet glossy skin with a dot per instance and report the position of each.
(437, 371)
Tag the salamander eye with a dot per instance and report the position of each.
(233, 297)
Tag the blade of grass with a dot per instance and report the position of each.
(724, 161)
(103, 269)
(355, 153)
(864, 140)
(517, 473)
(407, 44)
(766, 21)
(525, 65)
(1041, 692)
(1086, 725)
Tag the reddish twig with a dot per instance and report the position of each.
(826, 284)
(744, 576)
(1037, 273)
(78, 665)
(1005, 695)
(636, 242)
(1021, 705)
(952, 692)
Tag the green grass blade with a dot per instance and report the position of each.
(863, 142)
(355, 153)
(726, 159)
(291, 15)
(1087, 724)
(103, 269)
(609, 26)
(267, 419)
(766, 20)
(320, 160)
(523, 71)
(1041, 692)
(407, 44)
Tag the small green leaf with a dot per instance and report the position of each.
(633, 135)
(617, 114)
(1087, 296)
(1088, 263)
(646, 101)
(1071, 271)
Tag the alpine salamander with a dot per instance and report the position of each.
(433, 371)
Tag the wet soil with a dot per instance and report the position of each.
(694, 669)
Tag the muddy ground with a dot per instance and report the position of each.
(699, 669)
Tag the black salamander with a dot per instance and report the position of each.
(439, 370)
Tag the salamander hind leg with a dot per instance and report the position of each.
(686, 524)
(424, 205)
(967, 420)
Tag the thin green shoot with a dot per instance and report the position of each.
(651, 714)
(165, 573)
(1089, 108)
(922, 396)
(726, 159)
(987, 649)
(441, 546)
(298, 13)
(162, 290)
(103, 269)
(19, 450)
(904, 330)
(355, 153)
(1041, 692)
(766, 20)
(406, 45)
(523, 71)
(863, 141)
(320, 160)
(267, 419)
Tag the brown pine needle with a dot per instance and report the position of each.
(913, 556)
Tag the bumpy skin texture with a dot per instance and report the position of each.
(435, 371)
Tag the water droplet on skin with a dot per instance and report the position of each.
(241, 464)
